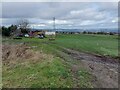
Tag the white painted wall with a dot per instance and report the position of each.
(49, 33)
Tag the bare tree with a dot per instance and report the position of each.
(23, 25)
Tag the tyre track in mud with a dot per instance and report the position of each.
(104, 69)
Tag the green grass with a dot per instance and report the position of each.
(99, 44)
(48, 73)
(56, 72)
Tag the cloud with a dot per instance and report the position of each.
(88, 22)
(60, 22)
(115, 20)
(68, 14)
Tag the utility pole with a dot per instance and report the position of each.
(54, 23)
(53, 34)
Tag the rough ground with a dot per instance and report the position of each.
(17, 53)
(104, 69)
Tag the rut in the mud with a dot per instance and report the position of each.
(105, 69)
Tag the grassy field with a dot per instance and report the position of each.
(99, 44)
(57, 71)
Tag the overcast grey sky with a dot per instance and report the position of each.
(68, 14)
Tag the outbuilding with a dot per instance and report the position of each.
(50, 33)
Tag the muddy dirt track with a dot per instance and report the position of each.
(104, 69)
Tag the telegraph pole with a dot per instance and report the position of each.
(54, 23)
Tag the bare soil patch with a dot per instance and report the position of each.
(104, 69)
(21, 52)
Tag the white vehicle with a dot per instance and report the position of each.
(26, 35)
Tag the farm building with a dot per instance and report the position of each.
(50, 33)
(37, 33)
(41, 33)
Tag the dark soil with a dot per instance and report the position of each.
(103, 68)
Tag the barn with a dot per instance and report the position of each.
(50, 33)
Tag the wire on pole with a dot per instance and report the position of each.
(54, 23)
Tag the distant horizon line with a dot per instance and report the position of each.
(69, 28)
